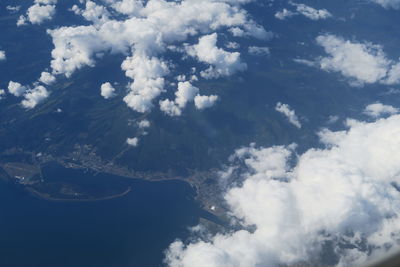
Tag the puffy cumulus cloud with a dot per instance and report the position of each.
(376, 110)
(107, 90)
(143, 124)
(232, 45)
(41, 11)
(388, 3)
(186, 93)
(34, 96)
(2, 55)
(205, 101)
(74, 48)
(92, 12)
(127, 7)
(170, 108)
(340, 200)
(16, 89)
(302, 9)
(148, 81)
(47, 78)
(143, 34)
(132, 141)
(2, 93)
(289, 114)
(258, 50)
(361, 62)
(222, 63)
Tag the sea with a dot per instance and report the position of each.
(132, 230)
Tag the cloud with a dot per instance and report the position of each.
(107, 90)
(39, 12)
(92, 12)
(185, 93)
(284, 13)
(378, 109)
(388, 3)
(306, 62)
(144, 33)
(302, 9)
(330, 206)
(47, 78)
(16, 88)
(143, 124)
(2, 55)
(289, 114)
(203, 101)
(222, 63)
(361, 62)
(2, 93)
(258, 51)
(34, 96)
(232, 45)
(13, 9)
(132, 141)
(170, 108)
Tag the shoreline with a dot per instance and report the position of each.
(47, 197)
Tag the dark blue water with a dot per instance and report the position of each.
(133, 230)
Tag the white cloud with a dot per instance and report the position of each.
(388, 3)
(258, 51)
(39, 13)
(148, 82)
(302, 9)
(284, 13)
(366, 63)
(132, 141)
(170, 108)
(361, 62)
(144, 124)
(34, 96)
(92, 12)
(289, 114)
(185, 93)
(338, 201)
(47, 78)
(312, 13)
(2, 55)
(128, 7)
(376, 110)
(232, 45)
(144, 34)
(21, 20)
(107, 90)
(13, 9)
(203, 101)
(306, 62)
(16, 88)
(2, 93)
(222, 63)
